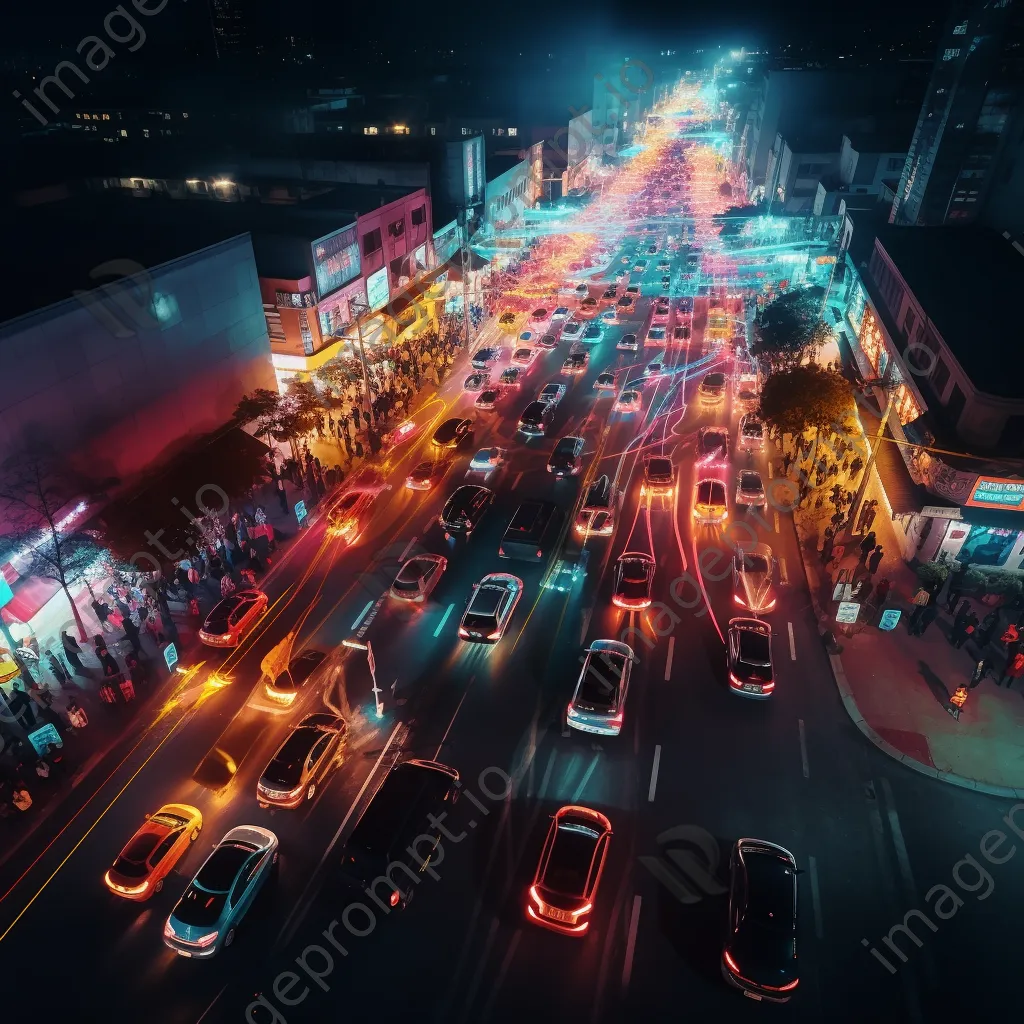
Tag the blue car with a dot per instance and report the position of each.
(205, 919)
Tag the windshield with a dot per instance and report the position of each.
(710, 492)
(751, 482)
(752, 427)
(479, 622)
(199, 907)
(599, 686)
(754, 563)
(658, 469)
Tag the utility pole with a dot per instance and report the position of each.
(359, 308)
(869, 465)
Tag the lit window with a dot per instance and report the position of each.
(106, 117)
(961, 29)
(465, 131)
(145, 133)
(124, 133)
(79, 116)
(433, 131)
(185, 115)
(513, 132)
(951, 53)
(167, 117)
(370, 130)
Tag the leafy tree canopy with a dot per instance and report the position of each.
(804, 396)
(790, 329)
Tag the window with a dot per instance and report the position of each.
(372, 242)
(513, 132)
(370, 130)
(106, 117)
(124, 133)
(419, 215)
(465, 131)
(950, 54)
(433, 130)
(145, 133)
(397, 228)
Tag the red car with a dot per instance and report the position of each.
(232, 617)
(565, 885)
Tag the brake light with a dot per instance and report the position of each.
(767, 687)
(540, 554)
(496, 635)
(734, 680)
(730, 963)
(615, 719)
(394, 898)
(463, 633)
(501, 550)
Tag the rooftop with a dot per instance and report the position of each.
(966, 280)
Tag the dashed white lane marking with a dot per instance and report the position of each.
(783, 572)
(819, 929)
(654, 774)
(777, 522)
(515, 483)
(634, 921)
(408, 548)
(668, 660)
(444, 619)
(803, 749)
(792, 642)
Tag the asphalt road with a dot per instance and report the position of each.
(872, 837)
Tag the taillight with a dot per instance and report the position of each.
(540, 554)
(730, 963)
(496, 635)
(394, 898)
(615, 719)
(501, 550)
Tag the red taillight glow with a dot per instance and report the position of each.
(729, 962)
(496, 635)
(463, 633)
(394, 899)
(540, 554)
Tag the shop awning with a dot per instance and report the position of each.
(31, 595)
(995, 518)
(904, 496)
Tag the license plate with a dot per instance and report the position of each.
(559, 915)
(753, 995)
(753, 688)
(183, 952)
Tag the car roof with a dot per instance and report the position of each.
(486, 598)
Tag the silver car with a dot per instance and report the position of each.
(204, 921)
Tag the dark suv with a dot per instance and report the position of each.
(463, 511)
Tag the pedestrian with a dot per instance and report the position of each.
(136, 671)
(227, 585)
(255, 563)
(131, 631)
(77, 718)
(882, 589)
(967, 627)
(961, 615)
(282, 495)
(928, 615)
(72, 649)
(981, 669)
(20, 796)
(866, 547)
(102, 612)
(20, 706)
(57, 670)
(1014, 670)
(987, 628)
(953, 595)
(874, 560)
(55, 759)
(869, 515)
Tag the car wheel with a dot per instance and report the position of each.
(311, 791)
(195, 834)
(229, 938)
(159, 885)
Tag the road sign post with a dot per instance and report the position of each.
(300, 513)
(376, 690)
(170, 656)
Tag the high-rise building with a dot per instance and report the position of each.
(229, 26)
(963, 129)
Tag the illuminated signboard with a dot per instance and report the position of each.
(335, 260)
(473, 167)
(996, 493)
(377, 288)
(420, 258)
(825, 261)
(446, 242)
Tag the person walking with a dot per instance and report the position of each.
(874, 560)
(981, 669)
(131, 631)
(57, 669)
(20, 796)
(956, 585)
(960, 619)
(72, 650)
(928, 615)
(987, 628)
(882, 589)
(102, 613)
(867, 545)
(967, 627)
(827, 545)
(1014, 670)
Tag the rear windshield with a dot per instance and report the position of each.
(600, 684)
(569, 863)
(755, 648)
(710, 492)
(199, 907)
(406, 586)
(659, 468)
(481, 622)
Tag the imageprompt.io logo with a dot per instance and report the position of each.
(688, 864)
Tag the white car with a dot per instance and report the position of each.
(599, 698)
(561, 313)
(418, 577)
(524, 357)
(572, 329)
(628, 343)
(751, 434)
(490, 608)
(487, 460)
(551, 393)
(656, 336)
(750, 489)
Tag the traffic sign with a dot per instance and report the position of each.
(300, 512)
(848, 611)
(170, 656)
(890, 617)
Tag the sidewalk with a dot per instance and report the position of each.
(895, 687)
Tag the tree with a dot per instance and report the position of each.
(304, 398)
(261, 407)
(790, 329)
(805, 396)
(35, 492)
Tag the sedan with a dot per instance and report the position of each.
(487, 400)
(572, 330)
(486, 460)
(609, 318)
(485, 359)
(418, 577)
(539, 318)
(751, 434)
(605, 382)
(709, 501)
(633, 580)
(664, 266)
(301, 674)
(205, 919)
(759, 956)
(349, 514)
(661, 311)
(654, 369)
(568, 874)
(609, 295)
(490, 608)
(600, 696)
(750, 489)
(712, 446)
(452, 433)
(512, 377)
(749, 658)
(666, 282)
(548, 341)
(629, 401)
(626, 304)
(656, 336)
(141, 867)
(628, 343)
(659, 477)
(593, 334)
(588, 309)
(476, 382)
(567, 458)
(576, 363)
(464, 510)
(752, 579)
(561, 313)
(640, 266)
(313, 748)
(552, 394)
(232, 617)
(524, 357)
(427, 475)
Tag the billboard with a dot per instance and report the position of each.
(335, 260)
(446, 242)
(465, 171)
(997, 493)
(377, 289)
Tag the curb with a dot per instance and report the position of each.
(850, 704)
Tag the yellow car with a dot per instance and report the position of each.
(510, 322)
(141, 867)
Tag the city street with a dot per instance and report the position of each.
(871, 837)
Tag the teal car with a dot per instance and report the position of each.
(205, 919)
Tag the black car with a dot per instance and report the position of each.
(463, 511)
(567, 458)
(453, 433)
(311, 750)
(749, 657)
(760, 956)
(424, 476)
